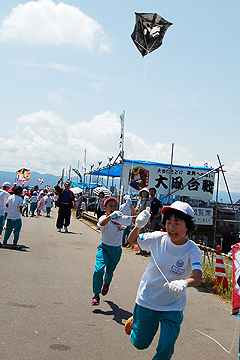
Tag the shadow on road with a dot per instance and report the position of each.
(23, 248)
(118, 313)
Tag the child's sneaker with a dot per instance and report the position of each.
(59, 229)
(95, 300)
(105, 289)
(128, 326)
(16, 247)
(66, 229)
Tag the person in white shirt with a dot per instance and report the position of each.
(3, 198)
(174, 265)
(25, 204)
(33, 203)
(48, 203)
(14, 221)
(110, 250)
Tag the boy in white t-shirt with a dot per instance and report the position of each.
(14, 221)
(110, 250)
(161, 296)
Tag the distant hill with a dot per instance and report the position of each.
(48, 179)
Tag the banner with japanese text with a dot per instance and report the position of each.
(183, 181)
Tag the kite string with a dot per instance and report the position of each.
(139, 115)
(143, 87)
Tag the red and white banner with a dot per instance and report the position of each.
(236, 279)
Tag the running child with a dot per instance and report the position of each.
(174, 265)
(110, 250)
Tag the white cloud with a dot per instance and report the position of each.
(44, 22)
(54, 96)
(97, 86)
(44, 142)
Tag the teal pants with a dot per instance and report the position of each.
(15, 226)
(107, 257)
(146, 324)
(2, 219)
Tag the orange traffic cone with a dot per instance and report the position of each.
(220, 273)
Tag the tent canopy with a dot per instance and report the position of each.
(115, 169)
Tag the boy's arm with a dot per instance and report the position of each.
(132, 238)
(133, 211)
(105, 221)
(195, 279)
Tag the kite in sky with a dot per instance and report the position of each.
(149, 32)
(23, 175)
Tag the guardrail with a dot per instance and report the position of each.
(212, 251)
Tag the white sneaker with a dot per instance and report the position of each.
(66, 229)
(59, 230)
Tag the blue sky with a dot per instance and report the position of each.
(70, 68)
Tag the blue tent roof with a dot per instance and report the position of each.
(115, 169)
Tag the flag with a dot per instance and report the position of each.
(78, 173)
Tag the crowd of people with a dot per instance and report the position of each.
(174, 264)
(17, 201)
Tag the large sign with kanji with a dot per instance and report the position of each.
(183, 181)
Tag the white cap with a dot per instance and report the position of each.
(144, 189)
(6, 183)
(180, 206)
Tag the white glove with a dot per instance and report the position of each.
(115, 214)
(176, 287)
(128, 200)
(142, 218)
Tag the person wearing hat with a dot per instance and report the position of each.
(14, 221)
(4, 194)
(174, 265)
(99, 205)
(142, 204)
(110, 250)
(79, 202)
(65, 204)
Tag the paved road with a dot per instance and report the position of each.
(45, 295)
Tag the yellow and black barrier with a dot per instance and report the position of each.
(211, 250)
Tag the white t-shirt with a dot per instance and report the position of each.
(25, 200)
(14, 201)
(48, 201)
(111, 234)
(33, 199)
(3, 198)
(176, 263)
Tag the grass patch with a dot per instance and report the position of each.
(209, 278)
